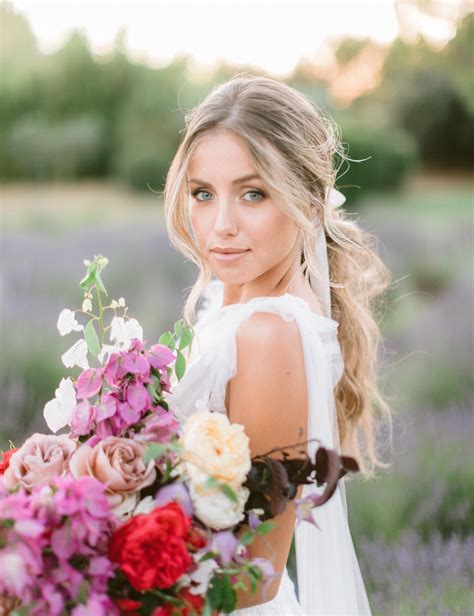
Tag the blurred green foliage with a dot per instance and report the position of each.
(391, 154)
(71, 115)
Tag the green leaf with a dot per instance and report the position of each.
(214, 592)
(177, 327)
(89, 278)
(208, 556)
(207, 608)
(7, 523)
(185, 338)
(180, 365)
(153, 451)
(21, 611)
(229, 492)
(166, 597)
(211, 482)
(247, 537)
(228, 595)
(83, 593)
(265, 527)
(255, 572)
(167, 339)
(91, 338)
(100, 284)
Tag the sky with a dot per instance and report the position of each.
(270, 34)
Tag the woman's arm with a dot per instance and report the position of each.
(268, 396)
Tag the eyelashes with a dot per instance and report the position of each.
(258, 192)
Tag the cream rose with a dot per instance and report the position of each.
(41, 458)
(212, 445)
(119, 462)
(216, 509)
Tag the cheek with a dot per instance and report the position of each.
(199, 227)
(275, 234)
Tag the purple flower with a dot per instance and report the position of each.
(138, 397)
(177, 492)
(136, 364)
(160, 356)
(225, 543)
(267, 570)
(107, 407)
(83, 418)
(159, 428)
(89, 382)
(304, 508)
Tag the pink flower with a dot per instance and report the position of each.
(83, 418)
(136, 363)
(117, 462)
(160, 356)
(138, 397)
(128, 414)
(89, 383)
(106, 408)
(41, 457)
(158, 428)
(114, 369)
(51, 525)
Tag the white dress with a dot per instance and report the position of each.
(329, 580)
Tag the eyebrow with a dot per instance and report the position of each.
(245, 178)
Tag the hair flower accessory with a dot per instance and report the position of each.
(335, 198)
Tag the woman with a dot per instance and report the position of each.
(278, 348)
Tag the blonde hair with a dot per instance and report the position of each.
(292, 145)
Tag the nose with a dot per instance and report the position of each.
(226, 220)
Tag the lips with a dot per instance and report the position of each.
(229, 251)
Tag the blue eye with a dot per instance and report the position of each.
(199, 191)
(255, 192)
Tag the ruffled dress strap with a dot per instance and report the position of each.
(213, 359)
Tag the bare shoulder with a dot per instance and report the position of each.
(268, 393)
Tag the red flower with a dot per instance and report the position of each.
(163, 610)
(194, 605)
(196, 602)
(128, 606)
(196, 537)
(5, 461)
(150, 548)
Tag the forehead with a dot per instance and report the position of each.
(221, 152)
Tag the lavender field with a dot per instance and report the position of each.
(413, 526)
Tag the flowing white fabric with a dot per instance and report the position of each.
(328, 574)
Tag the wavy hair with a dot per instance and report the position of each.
(293, 144)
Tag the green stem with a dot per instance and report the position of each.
(101, 317)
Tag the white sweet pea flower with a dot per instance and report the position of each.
(58, 411)
(202, 576)
(123, 331)
(146, 505)
(124, 510)
(107, 349)
(67, 322)
(87, 305)
(76, 355)
(121, 302)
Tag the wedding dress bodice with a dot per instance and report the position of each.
(328, 575)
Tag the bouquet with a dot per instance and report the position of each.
(130, 512)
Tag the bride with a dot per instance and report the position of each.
(283, 351)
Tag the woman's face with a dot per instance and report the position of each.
(230, 210)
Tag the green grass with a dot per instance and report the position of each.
(432, 207)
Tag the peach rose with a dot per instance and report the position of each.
(212, 445)
(119, 462)
(41, 458)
